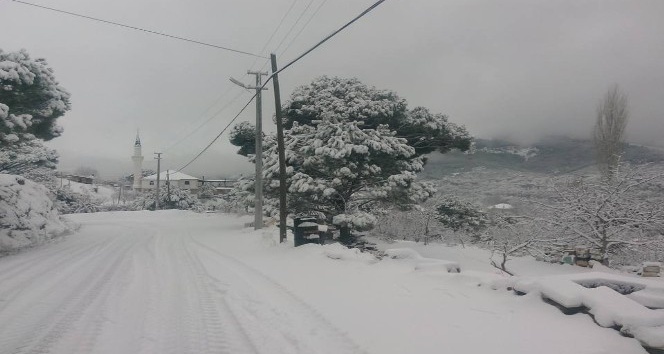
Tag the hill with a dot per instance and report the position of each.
(552, 155)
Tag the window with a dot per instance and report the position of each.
(186, 183)
(152, 183)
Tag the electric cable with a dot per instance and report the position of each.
(223, 108)
(303, 27)
(306, 8)
(328, 37)
(376, 4)
(281, 22)
(218, 135)
(140, 29)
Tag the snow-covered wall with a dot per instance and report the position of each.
(27, 215)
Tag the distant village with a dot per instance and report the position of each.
(140, 183)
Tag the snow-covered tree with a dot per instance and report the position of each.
(243, 135)
(70, 202)
(20, 156)
(509, 235)
(30, 102)
(31, 99)
(345, 156)
(351, 100)
(624, 214)
(206, 191)
(460, 215)
(178, 198)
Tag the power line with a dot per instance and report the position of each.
(203, 114)
(220, 133)
(305, 26)
(207, 121)
(141, 29)
(376, 4)
(294, 24)
(281, 22)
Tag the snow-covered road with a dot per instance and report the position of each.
(181, 282)
(150, 286)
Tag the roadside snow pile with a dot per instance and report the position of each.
(422, 263)
(27, 215)
(339, 252)
(635, 306)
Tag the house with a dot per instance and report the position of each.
(173, 178)
(221, 186)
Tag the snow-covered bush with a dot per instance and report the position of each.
(27, 214)
(175, 198)
(70, 202)
(116, 207)
(460, 215)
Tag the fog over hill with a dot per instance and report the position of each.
(551, 155)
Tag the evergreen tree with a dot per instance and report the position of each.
(351, 148)
(31, 100)
(244, 136)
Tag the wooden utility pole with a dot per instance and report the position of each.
(156, 200)
(283, 213)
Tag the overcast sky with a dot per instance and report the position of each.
(521, 69)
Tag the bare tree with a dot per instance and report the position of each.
(609, 216)
(609, 133)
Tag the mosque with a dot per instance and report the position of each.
(174, 178)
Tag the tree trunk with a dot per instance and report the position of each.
(604, 250)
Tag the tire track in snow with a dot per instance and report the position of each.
(275, 319)
(18, 281)
(227, 335)
(188, 317)
(38, 330)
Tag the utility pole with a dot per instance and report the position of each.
(168, 186)
(282, 151)
(258, 186)
(156, 200)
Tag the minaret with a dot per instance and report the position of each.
(138, 163)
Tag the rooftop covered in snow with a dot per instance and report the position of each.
(171, 175)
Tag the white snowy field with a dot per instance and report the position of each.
(180, 282)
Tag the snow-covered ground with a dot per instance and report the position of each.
(180, 282)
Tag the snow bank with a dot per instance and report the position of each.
(613, 300)
(422, 263)
(337, 251)
(27, 215)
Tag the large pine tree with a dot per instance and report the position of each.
(351, 148)
(31, 100)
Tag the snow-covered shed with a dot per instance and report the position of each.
(172, 177)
